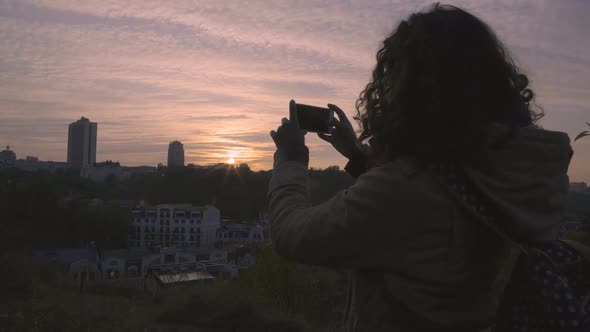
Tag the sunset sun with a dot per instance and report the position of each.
(231, 160)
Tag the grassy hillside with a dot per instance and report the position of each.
(38, 297)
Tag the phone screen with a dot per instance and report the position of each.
(314, 119)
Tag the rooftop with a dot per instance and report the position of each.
(177, 273)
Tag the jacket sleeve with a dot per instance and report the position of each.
(346, 231)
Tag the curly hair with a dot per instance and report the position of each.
(441, 77)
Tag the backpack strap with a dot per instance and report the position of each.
(579, 247)
(460, 187)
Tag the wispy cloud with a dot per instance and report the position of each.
(218, 75)
(218, 117)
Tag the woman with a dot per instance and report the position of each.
(444, 91)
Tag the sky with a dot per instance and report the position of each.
(218, 75)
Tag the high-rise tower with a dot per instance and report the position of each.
(82, 143)
(175, 154)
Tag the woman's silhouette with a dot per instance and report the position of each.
(444, 91)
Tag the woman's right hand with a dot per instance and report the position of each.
(343, 138)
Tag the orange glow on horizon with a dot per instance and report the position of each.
(218, 77)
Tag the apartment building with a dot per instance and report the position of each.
(174, 225)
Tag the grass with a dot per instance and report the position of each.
(39, 297)
(275, 295)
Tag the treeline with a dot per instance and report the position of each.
(239, 193)
(41, 209)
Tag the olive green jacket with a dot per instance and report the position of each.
(413, 251)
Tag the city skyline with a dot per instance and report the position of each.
(218, 77)
(81, 148)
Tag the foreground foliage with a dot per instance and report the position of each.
(275, 295)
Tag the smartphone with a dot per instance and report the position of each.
(315, 119)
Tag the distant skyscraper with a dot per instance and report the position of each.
(82, 143)
(175, 154)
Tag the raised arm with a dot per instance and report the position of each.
(361, 226)
(334, 233)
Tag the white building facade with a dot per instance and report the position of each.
(241, 233)
(101, 171)
(174, 225)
